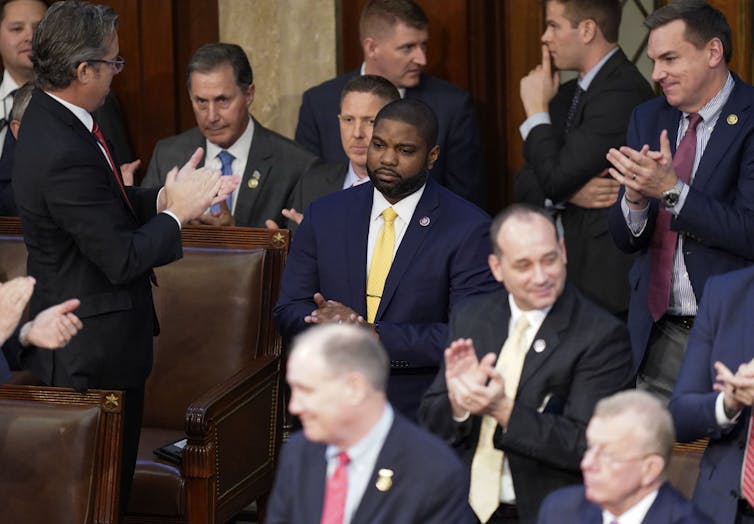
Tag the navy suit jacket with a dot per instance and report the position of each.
(722, 332)
(583, 356)
(441, 259)
(429, 486)
(717, 218)
(460, 166)
(570, 505)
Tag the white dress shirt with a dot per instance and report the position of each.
(635, 515)
(240, 150)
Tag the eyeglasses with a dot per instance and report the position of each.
(598, 455)
(118, 63)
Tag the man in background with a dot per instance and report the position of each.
(221, 88)
(357, 461)
(394, 41)
(568, 131)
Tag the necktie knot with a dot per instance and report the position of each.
(226, 162)
(343, 459)
(389, 215)
(694, 120)
(520, 326)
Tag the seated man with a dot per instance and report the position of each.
(371, 464)
(397, 254)
(714, 395)
(50, 329)
(360, 101)
(629, 441)
(394, 38)
(520, 423)
(221, 87)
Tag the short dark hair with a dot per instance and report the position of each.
(70, 33)
(211, 56)
(605, 13)
(21, 101)
(3, 3)
(519, 210)
(377, 85)
(703, 23)
(413, 112)
(381, 16)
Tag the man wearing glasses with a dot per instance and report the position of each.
(629, 441)
(87, 234)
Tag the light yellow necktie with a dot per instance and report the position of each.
(382, 259)
(487, 466)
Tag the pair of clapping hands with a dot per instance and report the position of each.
(737, 388)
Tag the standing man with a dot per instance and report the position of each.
(687, 206)
(86, 234)
(357, 461)
(519, 424)
(221, 88)
(396, 255)
(394, 41)
(361, 99)
(714, 396)
(568, 131)
(629, 442)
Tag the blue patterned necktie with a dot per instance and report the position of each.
(226, 163)
(575, 101)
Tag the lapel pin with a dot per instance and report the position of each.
(254, 180)
(732, 119)
(424, 221)
(539, 345)
(384, 479)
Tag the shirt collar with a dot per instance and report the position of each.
(375, 438)
(586, 80)
(712, 109)
(81, 113)
(362, 71)
(635, 514)
(8, 85)
(239, 148)
(404, 208)
(352, 179)
(535, 317)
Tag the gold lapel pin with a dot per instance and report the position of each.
(732, 119)
(254, 180)
(384, 479)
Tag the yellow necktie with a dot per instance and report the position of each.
(487, 466)
(381, 262)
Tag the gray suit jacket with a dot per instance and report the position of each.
(278, 162)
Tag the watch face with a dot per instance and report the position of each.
(670, 198)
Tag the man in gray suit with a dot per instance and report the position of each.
(221, 87)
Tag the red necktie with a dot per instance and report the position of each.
(97, 132)
(335, 493)
(664, 239)
(747, 476)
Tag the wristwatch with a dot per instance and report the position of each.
(671, 196)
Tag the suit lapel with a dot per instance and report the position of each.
(668, 118)
(723, 136)
(416, 233)
(391, 457)
(315, 476)
(358, 212)
(257, 173)
(493, 328)
(547, 338)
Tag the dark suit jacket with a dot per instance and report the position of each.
(570, 505)
(85, 242)
(322, 179)
(430, 485)
(279, 162)
(436, 265)
(586, 358)
(558, 165)
(718, 216)
(722, 332)
(460, 166)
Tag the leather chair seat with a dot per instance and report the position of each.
(158, 487)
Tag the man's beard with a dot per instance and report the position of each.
(401, 189)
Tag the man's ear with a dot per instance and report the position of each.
(249, 94)
(434, 153)
(369, 46)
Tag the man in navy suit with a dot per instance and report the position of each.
(629, 441)
(715, 392)
(394, 41)
(687, 206)
(439, 254)
(50, 329)
(392, 472)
